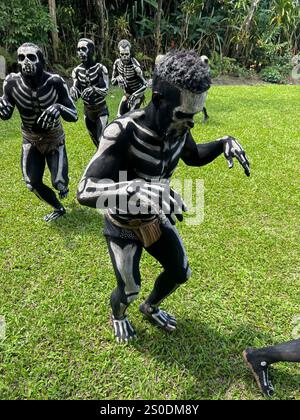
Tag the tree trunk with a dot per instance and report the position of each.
(54, 33)
(158, 29)
(247, 23)
(100, 6)
(246, 26)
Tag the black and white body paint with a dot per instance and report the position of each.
(205, 60)
(147, 145)
(260, 360)
(91, 83)
(128, 75)
(41, 99)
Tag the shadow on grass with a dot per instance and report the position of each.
(213, 359)
(79, 220)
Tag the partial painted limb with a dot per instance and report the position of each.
(123, 330)
(56, 214)
(158, 317)
(260, 370)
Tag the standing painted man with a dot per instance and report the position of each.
(127, 73)
(147, 145)
(91, 83)
(41, 99)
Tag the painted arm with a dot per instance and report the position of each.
(75, 89)
(7, 104)
(116, 78)
(104, 91)
(115, 74)
(90, 94)
(64, 107)
(138, 93)
(105, 186)
(202, 154)
(101, 180)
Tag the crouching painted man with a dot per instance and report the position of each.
(41, 99)
(128, 75)
(147, 145)
(91, 84)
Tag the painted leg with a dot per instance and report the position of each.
(125, 256)
(59, 169)
(93, 129)
(206, 116)
(170, 252)
(33, 167)
(123, 107)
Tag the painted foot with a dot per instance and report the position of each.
(64, 193)
(259, 368)
(123, 330)
(55, 215)
(158, 317)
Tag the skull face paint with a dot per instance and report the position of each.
(29, 60)
(83, 51)
(183, 115)
(125, 55)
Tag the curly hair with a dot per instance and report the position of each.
(184, 69)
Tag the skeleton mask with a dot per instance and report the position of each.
(125, 55)
(30, 59)
(183, 115)
(85, 50)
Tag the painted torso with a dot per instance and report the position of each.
(91, 77)
(128, 72)
(31, 103)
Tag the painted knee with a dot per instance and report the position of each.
(33, 186)
(182, 276)
(30, 187)
(59, 186)
(132, 296)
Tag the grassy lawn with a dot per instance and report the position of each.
(56, 278)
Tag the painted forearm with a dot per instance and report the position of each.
(69, 114)
(96, 193)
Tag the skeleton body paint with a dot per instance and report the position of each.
(91, 83)
(147, 145)
(260, 360)
(128, 75)
(205, 60)
(41, 99)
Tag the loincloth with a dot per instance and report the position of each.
(46, 142)
(146, 232)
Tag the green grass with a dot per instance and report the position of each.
(56, 278)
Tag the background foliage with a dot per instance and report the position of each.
(239, 36)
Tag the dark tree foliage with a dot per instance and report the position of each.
(233, 33)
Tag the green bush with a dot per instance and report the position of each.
(272, 75)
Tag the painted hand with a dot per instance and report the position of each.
(87, 94)
(121, 82)
(157, 197)
(131, 100)
(49, 117)
(100, 92)
(232, 149)
(6, 109)
(74, 93)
